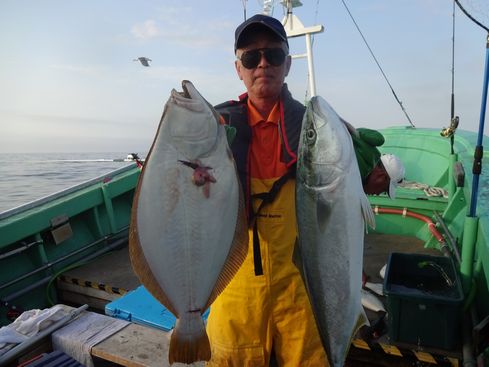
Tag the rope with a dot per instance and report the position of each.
(378, 64)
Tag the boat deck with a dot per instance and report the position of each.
(109, 277)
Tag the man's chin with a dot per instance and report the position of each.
(266, 91)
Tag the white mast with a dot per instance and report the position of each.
(267, 7)
(294, 28)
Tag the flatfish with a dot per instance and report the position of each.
(188, 233)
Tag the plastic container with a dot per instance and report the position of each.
(140, 307)
(424, 300)
(54, 359)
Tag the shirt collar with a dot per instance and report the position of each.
(254, 117)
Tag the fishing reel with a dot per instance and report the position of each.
(448, 132)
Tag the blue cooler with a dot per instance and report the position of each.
(140, 307)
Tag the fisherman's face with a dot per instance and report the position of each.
(377, 182)
(265, 81)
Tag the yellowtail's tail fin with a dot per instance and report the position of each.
(189, 342)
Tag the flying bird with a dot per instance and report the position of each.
(143, 60)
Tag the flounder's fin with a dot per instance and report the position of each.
(367, 212)
(139, 263)
(237, 253)
(189, 342)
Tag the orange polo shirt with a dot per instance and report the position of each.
(265, 149)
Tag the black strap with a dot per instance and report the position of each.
(266, 198)
(256, 252)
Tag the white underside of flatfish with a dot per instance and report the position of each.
(188, 234)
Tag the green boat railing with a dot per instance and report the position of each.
(39, 239)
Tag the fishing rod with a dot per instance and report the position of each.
(378, 64)
(477, 166)
(449, 132)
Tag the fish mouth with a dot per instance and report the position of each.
(189, 98)
(200, 115)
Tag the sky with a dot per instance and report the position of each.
(68, 82)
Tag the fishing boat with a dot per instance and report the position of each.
(71, 247)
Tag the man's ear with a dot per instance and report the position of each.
(288, 63)
(238, 67)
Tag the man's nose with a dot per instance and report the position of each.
(263, 60)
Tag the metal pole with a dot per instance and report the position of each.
(310, 65)
(477, 167)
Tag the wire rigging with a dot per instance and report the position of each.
(471, 17)
(377, 62)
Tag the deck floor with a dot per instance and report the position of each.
(377, 248)
(114, 270)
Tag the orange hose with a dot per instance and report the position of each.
(405, 212)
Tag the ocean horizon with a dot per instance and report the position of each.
(25, 177)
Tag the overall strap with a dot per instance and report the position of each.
(266, 198)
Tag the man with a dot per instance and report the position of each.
(265, 306)
(380, 173)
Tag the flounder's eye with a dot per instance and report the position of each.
(311, 135)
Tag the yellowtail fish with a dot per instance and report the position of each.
(188, 233)
(331, 212)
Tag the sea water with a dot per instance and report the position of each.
(26, 177)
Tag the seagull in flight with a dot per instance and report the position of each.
(143, 60)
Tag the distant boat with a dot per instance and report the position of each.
(131, 157)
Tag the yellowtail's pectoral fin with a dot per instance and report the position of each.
(367, 212)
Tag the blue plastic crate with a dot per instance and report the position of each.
(140, 307)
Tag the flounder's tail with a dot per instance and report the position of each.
(189, 342)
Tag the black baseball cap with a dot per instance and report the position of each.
(260, 20)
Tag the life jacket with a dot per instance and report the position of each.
(235, 114)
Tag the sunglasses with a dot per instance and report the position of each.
(251, 59)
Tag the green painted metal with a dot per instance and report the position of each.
(428, 159)
(451, 181)
(468, 249)
(98, 212)
(109, 208)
